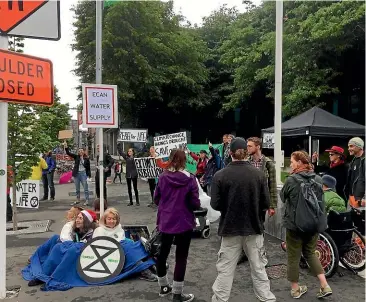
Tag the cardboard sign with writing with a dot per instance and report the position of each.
(146, 167)
(27, 195)
(100, 106)
(65, 134)
(164, 144)
(132, 135)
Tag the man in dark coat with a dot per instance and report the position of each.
(240, 192)
(108, 163)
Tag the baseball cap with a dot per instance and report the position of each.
(237, 144)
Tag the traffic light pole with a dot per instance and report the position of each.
(3, 182)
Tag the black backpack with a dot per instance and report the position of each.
(310, 214)
(153, 244)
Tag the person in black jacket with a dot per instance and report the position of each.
(108, 163)
(131, 173)
(337, 168)
(80, 172)
(240, 192)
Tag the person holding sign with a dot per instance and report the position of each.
(131, 173)
(108, 162)
(80, 172)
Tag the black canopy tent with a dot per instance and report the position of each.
(317, 122)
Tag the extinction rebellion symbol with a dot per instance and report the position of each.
(101, 259)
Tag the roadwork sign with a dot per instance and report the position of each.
(25, 79)
(100, 106)
(30, 19)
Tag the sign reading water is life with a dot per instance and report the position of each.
(100, 106)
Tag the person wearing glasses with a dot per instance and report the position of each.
(337, 168)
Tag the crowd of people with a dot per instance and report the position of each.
(241, 182)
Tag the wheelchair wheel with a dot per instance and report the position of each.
(206, 233)
(327, 252)
(354, 258)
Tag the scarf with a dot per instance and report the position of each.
(305, 168)
(338, 163)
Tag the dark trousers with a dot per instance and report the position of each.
(152, 186)
(117, 175)
(97, 185)
(9, 209)
(182, 242)
(48, 184)
(129, 188)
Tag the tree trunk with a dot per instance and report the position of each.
(14, 198)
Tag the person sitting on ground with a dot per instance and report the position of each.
(332, 200)
(96, 207)
(67, 229)
(109, 225)
(84, 226)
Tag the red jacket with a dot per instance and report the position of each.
(201, 164)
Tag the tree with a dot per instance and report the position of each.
(315, 35)
(156, 63)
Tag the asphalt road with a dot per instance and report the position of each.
(201, 271)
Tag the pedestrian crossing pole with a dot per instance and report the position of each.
(98, 80)
(3, 182)
(278, 89)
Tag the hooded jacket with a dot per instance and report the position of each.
(290, 196)
(177, 197)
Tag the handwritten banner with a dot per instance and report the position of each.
(27, 194)
(165, 143)
(132, 135)
(146, 167)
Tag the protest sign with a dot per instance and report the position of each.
(27, 194)
(132, 135)
(146, 167)
(268, 141)
(65, 134)
(165, 143)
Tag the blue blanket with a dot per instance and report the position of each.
(55, 263)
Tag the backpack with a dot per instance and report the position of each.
(153, 245)
(210, 170)
(310, 214)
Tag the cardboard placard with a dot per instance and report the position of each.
(65, 134)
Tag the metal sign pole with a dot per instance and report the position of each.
(278, 89)
(3, 182)
(98, 80)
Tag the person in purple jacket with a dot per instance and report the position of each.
(176, 196)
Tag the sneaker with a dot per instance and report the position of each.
(52, 199)
(324, 292)
(86, 204)
(44, 199)
(130, 204)
(147, 275)
(35, 282)
(137, 204)
(75, 203)
(183, 297)
(297, 293)
(165, 291)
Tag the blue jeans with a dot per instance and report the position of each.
(81, 178)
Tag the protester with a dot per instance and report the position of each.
(152, 181)
(297, 241)
(164, 164)
(80, 172)
(177, 197)
(117, 172)
(214, 164)
(337, 168)
(67, 230)
(225, 146)
(240, 193)
(109, 225)
(332, 200)
(47, 177)
(108, 162)
(84, 226)
(201, 162)
(227, 157)
(96, 207)
(131, 173)
(37, 171)
(355, 187)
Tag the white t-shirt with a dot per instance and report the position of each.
(116, 233)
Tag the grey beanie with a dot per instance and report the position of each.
(329, 181)
(356, 141)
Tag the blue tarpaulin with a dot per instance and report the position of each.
(55, 263)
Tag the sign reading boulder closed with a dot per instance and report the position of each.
(25, 79)
(101, 259)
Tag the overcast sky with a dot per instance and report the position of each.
(64, 59)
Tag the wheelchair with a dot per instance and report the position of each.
(342, 242)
